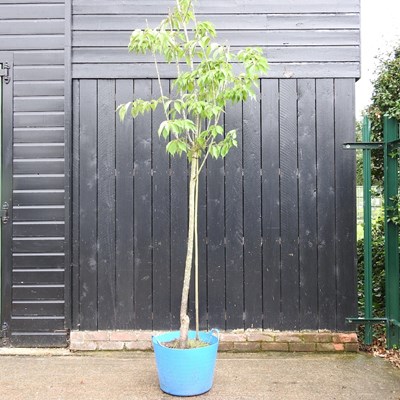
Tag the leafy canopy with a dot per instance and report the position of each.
(209, 75)
(385, 102)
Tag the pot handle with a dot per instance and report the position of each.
(215, 332)
(156, 340)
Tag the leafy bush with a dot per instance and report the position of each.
(378, 268)
(385, 102)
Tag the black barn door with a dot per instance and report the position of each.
(6, 109)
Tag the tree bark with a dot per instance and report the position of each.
(184, 318)
(196, 252)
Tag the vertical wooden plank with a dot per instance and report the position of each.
(142, 211)
(106, 203)
(215, 245)
(308, 262)
(289, 205)
(345, 203)
(271, 203)
(124, 211)
(234, 222)
(179, 224)
(178, 234)
(203, 267)
(161, 221)
(326, 203)
(68, 164)
(75, 203)
(252, 213)
(88, 204)
(6, 159)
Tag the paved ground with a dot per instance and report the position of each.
(130, 376)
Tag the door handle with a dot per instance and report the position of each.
(4, 212)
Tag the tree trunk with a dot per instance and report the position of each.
(189, 258)
(196, 252)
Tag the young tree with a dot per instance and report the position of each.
(209, 75)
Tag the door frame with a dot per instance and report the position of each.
(6, 148)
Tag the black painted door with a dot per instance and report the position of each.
(6, 100)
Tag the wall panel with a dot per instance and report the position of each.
(268, 259)
(303, 39)
(275, 249)
(34, 32)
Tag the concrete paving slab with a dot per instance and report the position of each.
(129, 375)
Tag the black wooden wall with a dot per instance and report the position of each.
(277, 216)
(301, 38)
(33, 31)
(98, 223)
(277, 219)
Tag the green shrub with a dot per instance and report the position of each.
(385, 101)
(378, 268)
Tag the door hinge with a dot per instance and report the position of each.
(5, 339)
(5, 72)
(4, 212)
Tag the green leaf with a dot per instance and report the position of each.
(172, 147)
(178, 106)
(134, 110)
(122, 110)
(219, 129)
(182, 146)
(153, 104)
(225, 149)
(164, 129)
(214, 151)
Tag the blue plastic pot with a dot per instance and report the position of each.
(186, 372)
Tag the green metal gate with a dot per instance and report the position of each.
(390, 145)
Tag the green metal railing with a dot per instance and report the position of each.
(392, 303)
(389, 145)
(366, 137)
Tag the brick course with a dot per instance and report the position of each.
(247, 346)
(345, 338)
(303, 347)
(324, 347)
(109, 345)
(268, 346)
(139, 345)
(351, 347)
(319, 337)
(250, 340)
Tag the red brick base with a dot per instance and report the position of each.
(234, 341)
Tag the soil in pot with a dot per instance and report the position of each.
(192, 344)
